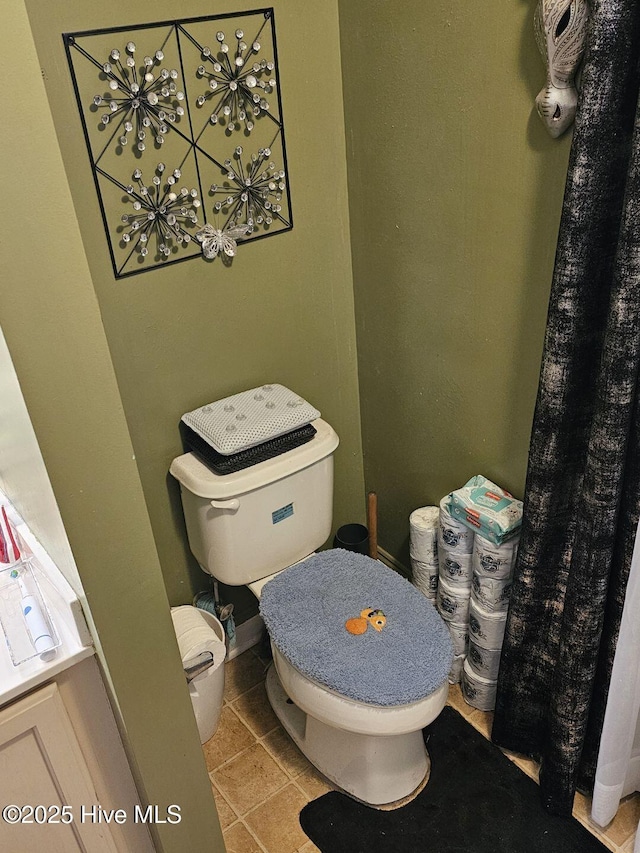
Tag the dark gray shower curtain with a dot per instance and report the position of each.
(582, 495)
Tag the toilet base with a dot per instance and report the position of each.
(377, 770)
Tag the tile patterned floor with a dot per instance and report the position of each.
(261, 780)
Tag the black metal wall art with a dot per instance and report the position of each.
(184, 129)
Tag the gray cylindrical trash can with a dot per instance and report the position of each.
(201, 640)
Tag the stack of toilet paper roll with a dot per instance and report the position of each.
(476, 558)
(491, 585)
(423, 550)
(462, 558)
(455, 552)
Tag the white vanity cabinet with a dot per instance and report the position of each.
(59, 747)
(42, 769)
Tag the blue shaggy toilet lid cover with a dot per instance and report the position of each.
(358, 627)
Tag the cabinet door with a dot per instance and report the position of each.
(41, 764)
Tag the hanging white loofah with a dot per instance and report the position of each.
(561, 27)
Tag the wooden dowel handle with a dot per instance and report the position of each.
(372, 524)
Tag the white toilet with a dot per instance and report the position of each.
(245, 528)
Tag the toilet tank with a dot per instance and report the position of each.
(252, 523)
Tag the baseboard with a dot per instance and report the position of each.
(389, 560)
(248, 634)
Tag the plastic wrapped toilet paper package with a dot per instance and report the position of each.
(495, 561)
(491, 593)
(486, 629)
(453, 533)
(453, 602)
(455, 546)
(478, 692)
(455, 568)
(491, 586)
(423, 549)
(425, 578)
(423, 530)
(456, 669)
(484, 662)
(459, 637)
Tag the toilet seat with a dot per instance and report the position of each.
(257, 586)
(305, 609)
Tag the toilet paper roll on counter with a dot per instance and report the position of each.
(495, 561)
(453, 602)
(455, 566)
(423, 534)
(491, 593)
(478, 692)
(425, 577)
(452, 533)
(455, 673)
(484, 662)
(486, 629)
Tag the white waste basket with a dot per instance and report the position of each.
(201, 640)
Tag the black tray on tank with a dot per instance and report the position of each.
(220, 464)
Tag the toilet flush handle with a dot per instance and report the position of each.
(233, 505)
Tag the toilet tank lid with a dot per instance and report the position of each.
(200, 480)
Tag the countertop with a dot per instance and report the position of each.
(66, 614)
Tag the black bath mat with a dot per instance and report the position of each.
(476, 801)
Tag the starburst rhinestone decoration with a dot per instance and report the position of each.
(165, 212)
(238, 82)
(252, 193)
(193, 107)
(145, 100)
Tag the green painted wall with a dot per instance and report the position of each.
(52, 325)
(195, 332)
(455, 193)
(454, 198)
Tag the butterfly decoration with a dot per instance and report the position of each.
(220, 240)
